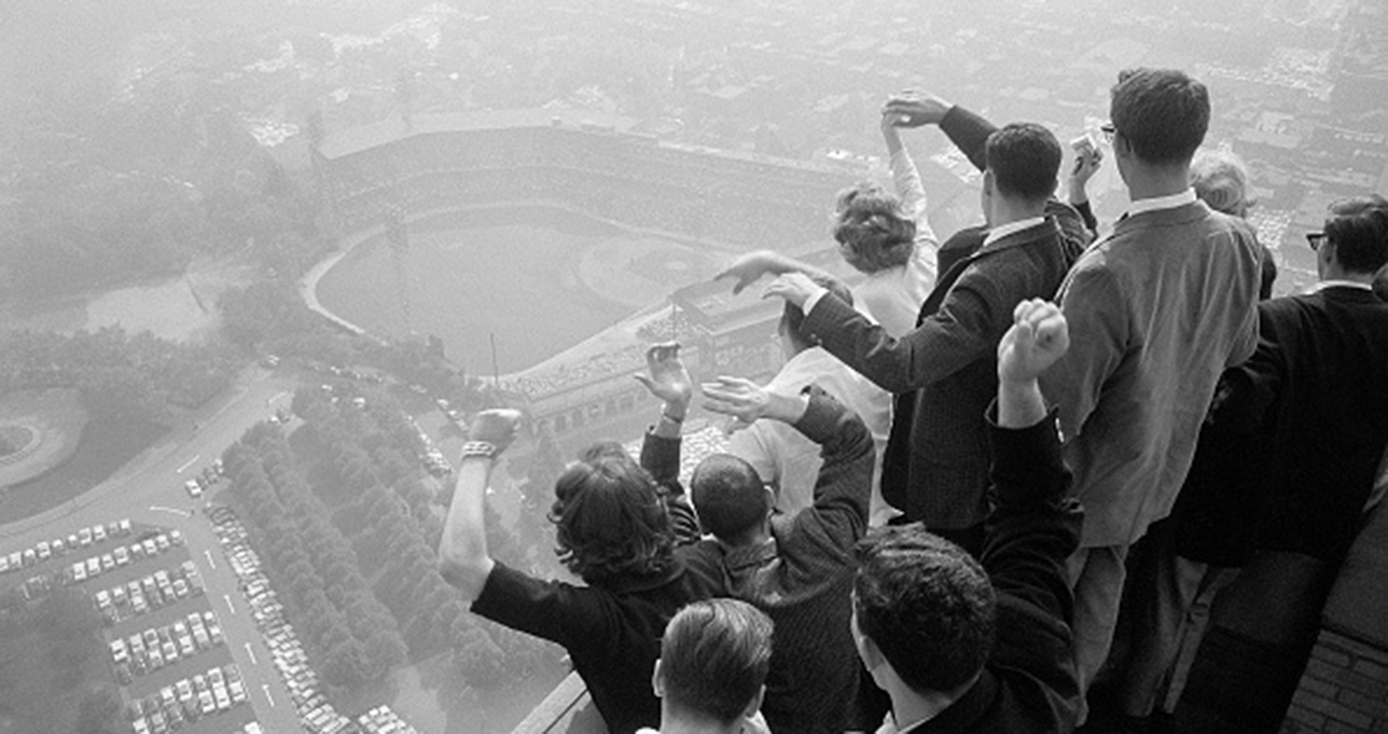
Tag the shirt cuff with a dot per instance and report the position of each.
(818, 293)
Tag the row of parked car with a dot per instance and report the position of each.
(148, 547)
(211, 474)
(381, 720)
(74, 542)
(152, 649)
(289, 657)
(188, 700)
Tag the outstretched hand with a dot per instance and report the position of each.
(1037, 339)
(913, 108)
(497, 427)
(667, 378)
(744, 400)
(748, 268)
(795, 288)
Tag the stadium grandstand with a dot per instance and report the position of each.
(604, 167)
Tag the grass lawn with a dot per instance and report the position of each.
(105, 445)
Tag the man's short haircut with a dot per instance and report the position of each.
(1358, 228)
(926, 604)
(873, 232)
(1162, 113)
(793, 317)
(1220, 179)
(1025, 159)
(609, 521)
(714, 658)
(729, 497)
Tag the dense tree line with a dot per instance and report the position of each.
(49, 651)
(357, 472)
(119, 375)
(353, 637)
(113, 176)
(367, 462)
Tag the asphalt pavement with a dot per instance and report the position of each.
(150, 491)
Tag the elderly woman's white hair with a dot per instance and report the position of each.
(1220, 179)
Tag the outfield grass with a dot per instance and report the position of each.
(540, 279)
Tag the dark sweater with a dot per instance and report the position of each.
(1029, 682)
(803, 578)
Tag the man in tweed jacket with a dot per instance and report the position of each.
(944, 373)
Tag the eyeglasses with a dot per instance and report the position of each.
(1108, 131)
(1314, 239)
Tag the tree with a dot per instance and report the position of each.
(100, 712)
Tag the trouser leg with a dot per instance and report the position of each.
(1161, 590)
(1097, 575)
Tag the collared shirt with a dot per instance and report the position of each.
(783, 456)
(1318, 287)
(1004, 230)
(1161, 202)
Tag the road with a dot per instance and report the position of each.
(150, 490)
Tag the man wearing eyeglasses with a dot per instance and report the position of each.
(1313, 399)
(1158, 309)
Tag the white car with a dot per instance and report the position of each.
(121, 555)
(194, 489)
(79, 571)
(98, 533)
(237, 689)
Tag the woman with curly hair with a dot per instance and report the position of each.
(887, 238)
(882, 235)
(614, 531)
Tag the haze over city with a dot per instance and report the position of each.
(263, 263)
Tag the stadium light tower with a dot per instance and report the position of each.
(398, 237)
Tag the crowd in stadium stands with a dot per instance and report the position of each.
(629, 180)
(1097, 427)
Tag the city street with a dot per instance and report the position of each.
(150, 490)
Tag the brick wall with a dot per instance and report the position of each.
(1344, 689)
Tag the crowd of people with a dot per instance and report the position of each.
(998, 514)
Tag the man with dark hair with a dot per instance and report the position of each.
(1314, 398)
(984, 646)
(1022, 159)
(1158, 309)
(781, 455)
(1163, 114)
(935, 467)
(613, 530)
(798, 569)
(711, 674)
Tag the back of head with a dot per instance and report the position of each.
(729, 496)
(609, 521)
(714, 658)
(1220, 179)
(1162, 113)
(927, 605)
(871, 229)
(1358, 228)
(793, 317)
(1024, 159)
